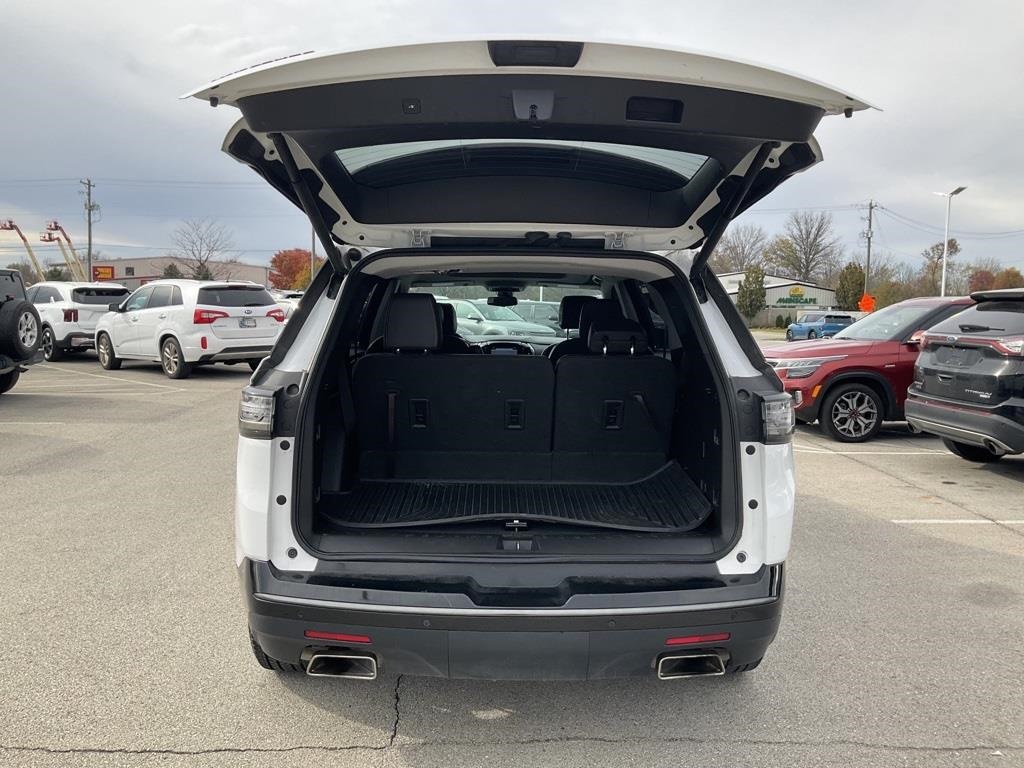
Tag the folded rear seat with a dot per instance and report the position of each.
(614, 407)
(424, 415)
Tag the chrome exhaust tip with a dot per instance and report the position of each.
(993, 448)
(354, 666)
(683, 665)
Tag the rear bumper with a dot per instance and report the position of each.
(253, 352)
(77, 340)
(964, 424)
(414, 634)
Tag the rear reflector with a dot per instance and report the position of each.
(202, 342)
(718, 637)
(339, 637)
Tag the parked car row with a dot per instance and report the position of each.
(178, 323)
(818, 325)
(951, 366)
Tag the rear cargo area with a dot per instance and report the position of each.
(417, 447)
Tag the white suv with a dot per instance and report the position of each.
(183, 323)
(620, 506)
(69, 312)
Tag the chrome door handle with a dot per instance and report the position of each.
(134, 319)
(162, 316)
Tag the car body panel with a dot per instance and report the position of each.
(137, 333)
(885, 364)
(456, 92)
(822, 325)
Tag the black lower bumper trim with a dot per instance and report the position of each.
(972, 426)
(496, 644)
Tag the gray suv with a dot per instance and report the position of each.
(20, 329)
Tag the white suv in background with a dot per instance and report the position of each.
(184, 323)
(69, 312)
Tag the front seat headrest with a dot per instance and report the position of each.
(617, 337)
(599, 310)
(446, 313)
(569, 310)
(412, 323)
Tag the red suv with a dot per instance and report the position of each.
(854, 381)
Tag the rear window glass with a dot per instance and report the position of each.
(10, 286)
(999, 316)
(236, 296)
(684, 164)
(97, 295)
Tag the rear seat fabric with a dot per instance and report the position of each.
(436, 416)
(613, 407)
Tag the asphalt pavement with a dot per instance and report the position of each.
(123, 642)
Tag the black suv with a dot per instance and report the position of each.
(969, 380)
(19, 329)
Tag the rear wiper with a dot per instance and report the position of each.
(969, 328)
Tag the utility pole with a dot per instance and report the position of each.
(90, 208)
(868, 235)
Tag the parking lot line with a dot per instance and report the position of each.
(957, 521)
(105, 376)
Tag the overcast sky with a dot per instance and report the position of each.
(90, 89)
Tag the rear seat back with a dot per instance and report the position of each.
(614, 407)
(438, 416)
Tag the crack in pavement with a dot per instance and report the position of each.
(398, 714)
(844, 743)
(218, 750)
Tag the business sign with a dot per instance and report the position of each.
(102, 273)
(796, 298)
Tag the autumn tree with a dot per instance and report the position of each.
(850, 286)
(1009, 278)
(751, 295)
(287, 265)
(305, 276)
(201, 248)
(809, 250)
(931, 272)
(742, 246)
(980, 280)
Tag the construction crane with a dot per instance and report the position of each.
(8, 225)
(50, 237)
(75, 263)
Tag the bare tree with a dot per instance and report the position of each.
(200, 247)
(809, 250)
(740, 248)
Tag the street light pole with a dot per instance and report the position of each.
(945, 240)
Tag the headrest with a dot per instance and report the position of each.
(619, 337)
(599, 310)
(569, 309)
(446, 313)
(412, 323)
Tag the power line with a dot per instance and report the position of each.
(967, 234)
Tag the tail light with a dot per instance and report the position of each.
(207, 316)
(778, 417)
(256, 413)
(70, 315)
(277, 314)
(1009, 346)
